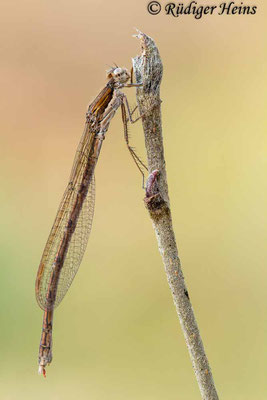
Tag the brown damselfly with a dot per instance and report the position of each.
(68, 238)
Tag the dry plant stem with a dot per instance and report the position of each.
(148, 69)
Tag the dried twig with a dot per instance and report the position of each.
(148, 70)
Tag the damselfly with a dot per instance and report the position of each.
(68, 238)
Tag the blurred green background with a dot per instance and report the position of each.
(116, 334)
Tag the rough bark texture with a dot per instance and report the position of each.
(148, 70)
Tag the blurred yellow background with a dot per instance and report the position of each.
(116, 334)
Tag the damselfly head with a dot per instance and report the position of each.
(120, 75)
